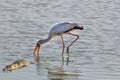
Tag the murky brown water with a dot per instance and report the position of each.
(95, 56)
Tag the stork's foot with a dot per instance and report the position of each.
(63, 51)
(67, 60)
(68, 51)
(62, 60)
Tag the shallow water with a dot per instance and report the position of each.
(95, 56)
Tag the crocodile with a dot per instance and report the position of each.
(16, 65)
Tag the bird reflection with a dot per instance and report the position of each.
(37, 59)
(61, 72)
(54, 71)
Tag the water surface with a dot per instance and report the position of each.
(95, 56)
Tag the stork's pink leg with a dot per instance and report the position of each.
(63, 45)
(72, 42)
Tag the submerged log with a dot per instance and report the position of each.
(16, 65)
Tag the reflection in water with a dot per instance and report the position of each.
(37, 58)
(62, 72)
(55, 72)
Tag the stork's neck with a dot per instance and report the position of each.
(47, 39)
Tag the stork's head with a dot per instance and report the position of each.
(38, 46)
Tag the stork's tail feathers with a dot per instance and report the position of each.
(79, 27)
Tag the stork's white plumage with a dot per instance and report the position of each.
(59, 30)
